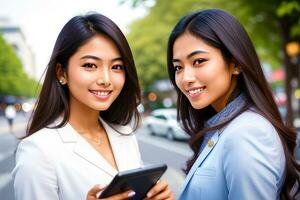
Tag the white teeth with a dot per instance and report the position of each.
(196, 91)
(101, 93)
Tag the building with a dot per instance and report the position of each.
(15, 37)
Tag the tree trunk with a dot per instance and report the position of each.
(285, 32)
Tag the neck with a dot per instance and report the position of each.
(224, 100)
(84, 120)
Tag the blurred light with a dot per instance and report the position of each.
(152, 96)
(26, 107)
(297, 93)
(280, 98)
(167, 102)
(18, 106)
(140, 108)
(292, 48)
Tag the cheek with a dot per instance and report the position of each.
(221, 80)
(119, 81)
(178, 81)
(80, 79)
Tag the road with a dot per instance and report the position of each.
(154, 150)
(8, 144)
(157, 150)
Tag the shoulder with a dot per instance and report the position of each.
(253, 135)
(41, 138)
(251, 118)
(253, 150)
(34, 151)
(38, 146)
(250, 123)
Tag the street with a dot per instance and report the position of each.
(8, 144)
(154, 150)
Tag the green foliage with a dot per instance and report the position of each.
(291, 10)
(287, 8)
(13, 79)
(148, 36)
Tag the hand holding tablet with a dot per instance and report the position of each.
(139, 180)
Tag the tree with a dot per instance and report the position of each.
(289, 20)
(13, 79)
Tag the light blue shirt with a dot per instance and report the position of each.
(243, 161)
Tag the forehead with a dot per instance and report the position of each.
(99, 45)
(187, 43)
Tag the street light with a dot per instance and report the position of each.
(293, 51)
(292, 48)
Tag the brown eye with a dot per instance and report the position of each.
(198, 61)
(89, 65)
(118, 67)
(177, 68)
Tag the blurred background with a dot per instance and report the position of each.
(28, 29)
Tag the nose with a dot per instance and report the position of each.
(188, 75)
(104, 77)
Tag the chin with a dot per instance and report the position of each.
(102, 107)
(199, 106)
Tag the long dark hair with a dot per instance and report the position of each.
(54, 98)
(221, 30)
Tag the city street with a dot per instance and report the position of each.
(154, 150)
(8, 143)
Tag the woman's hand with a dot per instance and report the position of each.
(161, 191)
(92, 194)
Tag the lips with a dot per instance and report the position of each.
(101, 94)
(196, 91)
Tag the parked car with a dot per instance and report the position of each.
(163, 122)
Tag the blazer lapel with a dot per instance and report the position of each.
(84, 150)
(118, 143)
(205, 152)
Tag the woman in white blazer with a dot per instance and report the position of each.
(242, 149)
(79, 134)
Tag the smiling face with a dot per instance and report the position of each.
(201, 72)
(95, 75)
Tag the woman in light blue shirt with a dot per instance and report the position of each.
(242, 149)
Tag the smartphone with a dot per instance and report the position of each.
(140, 180)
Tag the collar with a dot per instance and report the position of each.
(229, 110)
(69, 134)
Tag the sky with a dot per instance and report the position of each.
(42, 20)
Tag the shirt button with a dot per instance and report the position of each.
(210, 143)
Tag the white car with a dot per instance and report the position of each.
(163, 122)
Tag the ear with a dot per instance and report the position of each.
(235, 68)
(60, 74)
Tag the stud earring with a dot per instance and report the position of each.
(236, 71)
(61, 82)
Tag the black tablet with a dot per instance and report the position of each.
(140, 180)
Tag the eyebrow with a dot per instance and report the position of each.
(97, 58)
(191, 54)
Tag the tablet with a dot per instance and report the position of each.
(140, 180)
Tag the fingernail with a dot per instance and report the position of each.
(149, 194)
(131, 194)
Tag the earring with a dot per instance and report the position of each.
(236, 71)
(61, 82)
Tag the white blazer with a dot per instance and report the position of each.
(59, 164)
